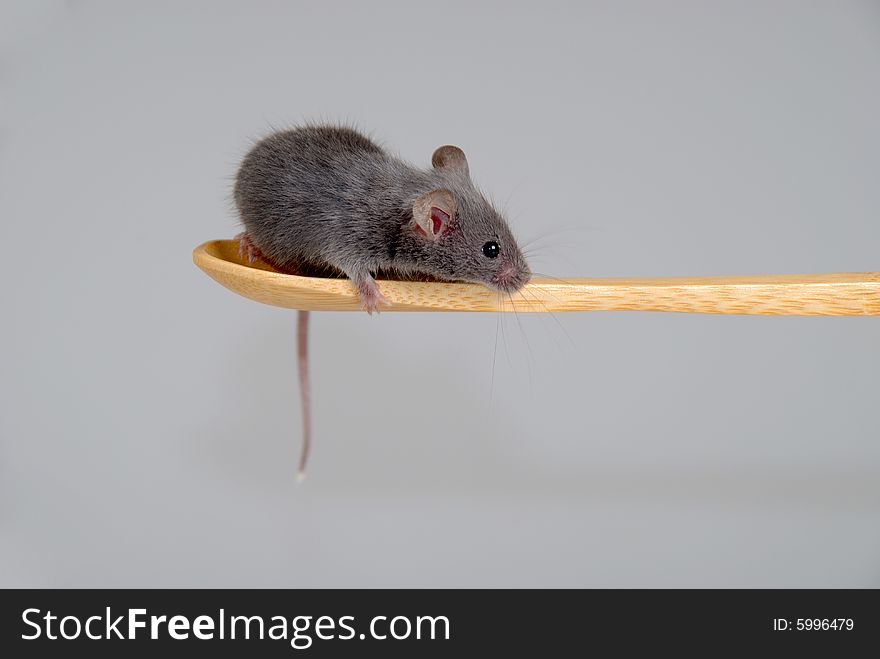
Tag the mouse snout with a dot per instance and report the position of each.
(511, 276)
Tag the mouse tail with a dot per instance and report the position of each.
(302, 353)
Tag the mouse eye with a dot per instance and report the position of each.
(491, 249)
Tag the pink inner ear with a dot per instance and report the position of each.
(439, 217)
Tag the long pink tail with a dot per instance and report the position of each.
(302, 352)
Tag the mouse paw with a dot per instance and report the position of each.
(245, 246)
(370, 295)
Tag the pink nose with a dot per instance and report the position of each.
(506, 273)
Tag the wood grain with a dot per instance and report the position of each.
(837, 294)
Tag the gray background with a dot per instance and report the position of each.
(150, 424)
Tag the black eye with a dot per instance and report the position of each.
(491, 249)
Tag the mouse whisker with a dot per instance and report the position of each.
(522, 331)
(553, 315)
(494, 356)
(556, 279)
(569, 228)
(503, 333)
(546, 292)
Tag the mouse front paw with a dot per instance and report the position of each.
(370, 295)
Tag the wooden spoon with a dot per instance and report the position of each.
(836, 294)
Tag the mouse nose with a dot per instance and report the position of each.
(511, 276)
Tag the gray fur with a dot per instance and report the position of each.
(328, 196)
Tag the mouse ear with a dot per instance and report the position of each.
(433, 211)
(450, 157)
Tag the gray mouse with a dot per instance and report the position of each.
(328, 199)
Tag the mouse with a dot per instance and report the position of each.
(328, 199)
